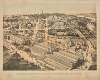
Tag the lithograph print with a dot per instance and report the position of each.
(50, 41)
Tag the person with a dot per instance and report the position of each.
(78, 46)
(50, 51)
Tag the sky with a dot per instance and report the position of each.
(48, 6)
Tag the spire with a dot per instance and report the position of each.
(42, 11)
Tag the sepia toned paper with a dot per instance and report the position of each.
(50, 40)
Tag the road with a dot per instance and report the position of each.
(58, 60)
